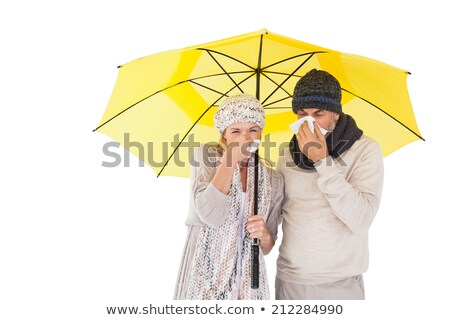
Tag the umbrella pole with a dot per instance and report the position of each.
(255, 245)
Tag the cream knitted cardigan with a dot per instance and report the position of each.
(206, 217)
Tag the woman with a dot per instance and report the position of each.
(216, 262)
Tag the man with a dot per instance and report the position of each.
(333, 185)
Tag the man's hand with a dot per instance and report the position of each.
(313, 145)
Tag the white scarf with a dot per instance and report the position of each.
(214, 269)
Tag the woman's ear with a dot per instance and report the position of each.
(223, 141)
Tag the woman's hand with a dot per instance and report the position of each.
(237, 151)
(258, 229)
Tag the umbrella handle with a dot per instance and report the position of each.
(255, 265)
(255, 245)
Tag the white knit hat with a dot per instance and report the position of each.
(239, 108)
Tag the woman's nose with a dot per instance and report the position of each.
(246, 134)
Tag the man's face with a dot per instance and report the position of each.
(325, 119)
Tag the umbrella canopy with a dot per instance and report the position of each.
(162, 105)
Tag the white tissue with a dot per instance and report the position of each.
(296, 125)
(254, 146)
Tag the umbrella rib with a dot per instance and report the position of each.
(280, 73)
(281, 84)
(184, 137)
(293, 57)
(134, 104)
(279, 100)
(206, 87)
(223, 69)
(216, 74)
(227, 56)
(213, 90)
(190, 129)
(278, 86)
(392, 117)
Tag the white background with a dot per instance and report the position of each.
(76, 237)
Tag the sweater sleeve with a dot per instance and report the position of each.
(210, 204)
(274, 215)
(354, 199)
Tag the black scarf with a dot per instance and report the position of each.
(338, 141)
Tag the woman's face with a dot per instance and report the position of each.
(250, 131)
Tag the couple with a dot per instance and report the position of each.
(326, 191)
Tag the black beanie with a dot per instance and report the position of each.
(317, 89)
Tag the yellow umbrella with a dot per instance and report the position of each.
(162, 105)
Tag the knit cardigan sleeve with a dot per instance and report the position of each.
(354, 198)
(210, 204)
